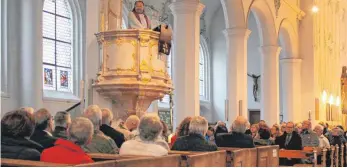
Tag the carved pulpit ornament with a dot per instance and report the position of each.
(277, 6)
(255, 86)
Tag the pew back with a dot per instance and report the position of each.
(237, 157)
(28, 163)
(103, 157)
(267, 156)
(210, 159)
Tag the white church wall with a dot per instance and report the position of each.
(253, 63)
(218, 47)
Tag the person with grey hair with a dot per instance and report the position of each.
(106, 128)
(62, 120)
(323, 141)
(308, 137)
(100, 143)
(69, 151)
(195, 140)
(44, 128)
(28, 109)
(148, 143)
(237, 138)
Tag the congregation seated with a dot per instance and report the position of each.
(292, 142)
(195, 140)
(44, 128)
(148, 142)
(237, 138)
(210, 135)
(130, 131)
(220, 128)
(69, 151)
(336, 137)
(62, 120)
(308, 137)
(100, 143)
(274, 133)
(107, 117)
(183, 130)
(264, 131)
(323, 141)
(16, 127)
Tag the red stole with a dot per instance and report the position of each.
(138, 18)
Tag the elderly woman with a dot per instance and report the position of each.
(69, 151)
(275, 132)
(323, 141)
(100, 143)
(254, 131)
(182, 130)
(16, 126)
(149, 142)
(195, 140)
(298, 128)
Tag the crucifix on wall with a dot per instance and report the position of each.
(255, 85)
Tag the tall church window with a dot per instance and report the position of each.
(204, 70)
(201, 72)
(124, 25)
(57, 46)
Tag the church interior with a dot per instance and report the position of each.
(166, 83)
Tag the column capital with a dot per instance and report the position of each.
(240, 32)
(186, 7)
(291, 60)
(268, 50)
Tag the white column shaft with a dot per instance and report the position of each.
(270, 84)
(186, 39)
(236, 72)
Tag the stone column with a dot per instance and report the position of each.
(186, 40)
(291, 89)
(269, 97)
(236, 72)
(30, 66)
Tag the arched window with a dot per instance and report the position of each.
(204, 70)
(201, 72)
(57, 46)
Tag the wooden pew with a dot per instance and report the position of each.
(299, 154)
(28, 163)
(162, 161)
(240, 157)
(103, 157)
(267, 156)
(201, 159)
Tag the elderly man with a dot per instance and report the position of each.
(323, 141)
(106, 128)
(237, 138)
(308, 137)
(137, 18)
(292, 142)
(69, 151)
(131, 124)
(62, 120)
(195, 141)
(44, 128)
(148, 142)
(100, 143)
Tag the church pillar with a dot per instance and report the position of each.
(291, 89)
(270, 84)
(236, 72)
(186, 40)
(30, 66)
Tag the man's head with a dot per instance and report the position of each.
(283, 127)
(17, 124)
(139, 7)
(290, 127)
(107, 116)
(28, 109)
(150, 127)
(198, 125)
(94, 114)
(62, 119)
(239, 125)
(80, 131)
(318, 129)
(306, 125)
(44, 120)
(132, 122)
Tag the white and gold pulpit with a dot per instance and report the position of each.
(133, 73)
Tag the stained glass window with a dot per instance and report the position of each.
(166, 98)
(202, 72)
(57, 46)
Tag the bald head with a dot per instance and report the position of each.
(132, 122)
(239, 125)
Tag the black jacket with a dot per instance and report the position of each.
(235, 139)
(193, 142)
(42, 138)
(59, 132)
(294, 143)
(19, 148)
(281, 140)
(114, 134)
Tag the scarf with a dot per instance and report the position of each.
(138, 18)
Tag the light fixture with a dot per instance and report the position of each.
(315, 9)
(331, 100)
(338, 101)
(324, 96)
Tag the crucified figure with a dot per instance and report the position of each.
(255, 85)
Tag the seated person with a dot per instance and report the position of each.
(44, 128)
(16, 127)
(106, 128)
(237, 138)
(69, 151)
(100, 143)
(195, 140)
(149, 142)
(182, 130)
(62, 120)
(292, 142)
(131, 125)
